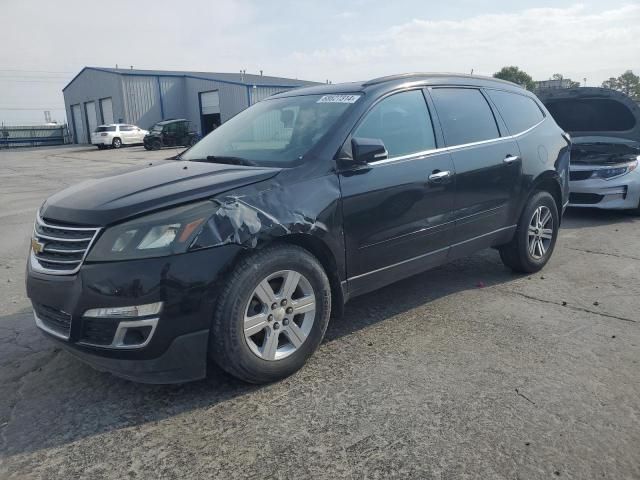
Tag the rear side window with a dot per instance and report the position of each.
(126, 128)
(105, 129)
(519, 112)
(402, 122)
(465, 115)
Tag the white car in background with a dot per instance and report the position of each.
(117, 134)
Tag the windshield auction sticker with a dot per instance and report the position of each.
(339, 99)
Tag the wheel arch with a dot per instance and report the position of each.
(316, 247)
(548, 182)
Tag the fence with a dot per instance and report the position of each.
(33, 136)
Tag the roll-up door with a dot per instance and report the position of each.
(92, 119)
(78, 124)
(107, 110)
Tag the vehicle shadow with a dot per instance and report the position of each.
(60, 400)
(576, 218)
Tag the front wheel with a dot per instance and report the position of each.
(117, 143)
(536, 235)
(271, 315)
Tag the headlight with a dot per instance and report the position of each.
(164, 233)
(607, 173)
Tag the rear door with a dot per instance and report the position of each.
(396, 220)
(487, 163)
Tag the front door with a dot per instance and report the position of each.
(488, 167)
(397, 220)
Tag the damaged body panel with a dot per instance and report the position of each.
(242, 248)
(605, 128)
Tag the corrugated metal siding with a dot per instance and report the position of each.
(91, 86)
(260, 93)
(233, 99)
(142, 100)
(173, 97)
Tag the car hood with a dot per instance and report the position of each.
(112, 199)
(593, 112)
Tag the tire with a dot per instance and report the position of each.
(246, 354)
(117, 143)
(192, 141)
(524, 253)
(156, 145)
(147, 147)
(100, 147)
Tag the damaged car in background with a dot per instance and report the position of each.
(241, 250)
(605, 130)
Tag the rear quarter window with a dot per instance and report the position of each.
(519, 112)
(465, 115)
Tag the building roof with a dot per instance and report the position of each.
(231, 78)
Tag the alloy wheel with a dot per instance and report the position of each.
(279, 315)
(540, 233)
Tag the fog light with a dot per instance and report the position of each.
(133, 311)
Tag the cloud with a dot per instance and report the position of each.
(574, 40)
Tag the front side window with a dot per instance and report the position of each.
(402, 122)
(274, 132)
(519, 112)
(465, 115)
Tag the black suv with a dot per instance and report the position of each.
(170, 133)
(240, 252)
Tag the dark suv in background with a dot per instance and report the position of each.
(240, 252)
(170, 133)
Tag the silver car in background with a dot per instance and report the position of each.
(605, 129)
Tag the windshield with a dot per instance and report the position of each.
(277, 132)
(156, 128)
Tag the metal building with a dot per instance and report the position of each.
(143, 97)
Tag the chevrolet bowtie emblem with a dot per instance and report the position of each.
(36, 246)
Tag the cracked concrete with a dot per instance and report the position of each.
(528, 377)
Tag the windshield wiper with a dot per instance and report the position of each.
(227, 160)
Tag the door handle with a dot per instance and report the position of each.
(438, 175)
(511, 158)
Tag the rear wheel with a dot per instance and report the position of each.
(271, 315)
(535, 237)
(100, 147)
(117, 143)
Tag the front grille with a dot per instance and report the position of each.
(98, 331)
(53, 319)
(60, 249)
(585, 198)
(578, 175)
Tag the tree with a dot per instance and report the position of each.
(627, 83)
(515, 75)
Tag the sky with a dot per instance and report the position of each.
(46, 43)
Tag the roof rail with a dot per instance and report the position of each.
(416, 75)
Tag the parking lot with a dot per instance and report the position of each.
(466, 371)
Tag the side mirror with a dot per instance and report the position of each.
(367, 150)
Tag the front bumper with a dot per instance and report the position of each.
(176, 350)
(619, 193)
